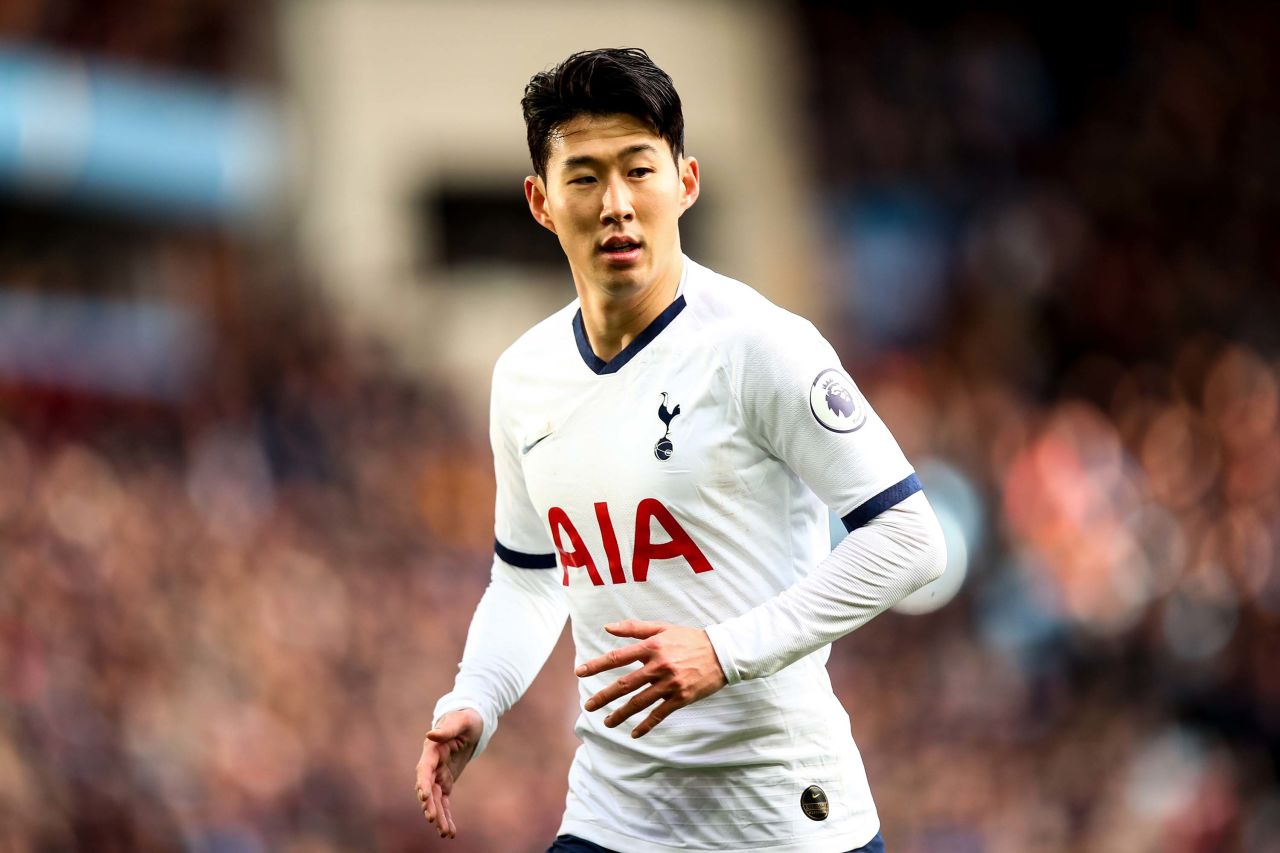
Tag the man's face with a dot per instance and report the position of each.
(613, 194)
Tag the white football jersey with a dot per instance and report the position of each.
(688, 480)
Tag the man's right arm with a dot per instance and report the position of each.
(515, 627)
(518, 620)
(513, 630)
(512, 633)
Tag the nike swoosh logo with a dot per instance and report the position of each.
(531, 445)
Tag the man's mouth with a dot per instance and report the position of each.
(619, 246)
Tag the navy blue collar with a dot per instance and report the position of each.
(642, 340)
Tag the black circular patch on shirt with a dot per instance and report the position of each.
(813, 802)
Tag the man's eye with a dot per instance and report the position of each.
(585, 179)
(641, 171)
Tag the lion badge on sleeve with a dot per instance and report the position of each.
(836, 403)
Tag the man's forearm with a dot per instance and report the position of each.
(873, 568)
(514, 628)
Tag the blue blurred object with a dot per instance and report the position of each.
(961, 513)
(895, 263)
(138, 350)
(99, 132)
(1019, 614)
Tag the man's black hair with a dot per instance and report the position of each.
(596, 83)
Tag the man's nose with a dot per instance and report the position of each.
(616, 204)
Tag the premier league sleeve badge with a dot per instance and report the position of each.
(836, 403)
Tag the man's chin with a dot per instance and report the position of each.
(614, 266)
(618, 275)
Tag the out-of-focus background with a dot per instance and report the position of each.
(257, 259)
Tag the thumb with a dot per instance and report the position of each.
(636, 628)
(450, 726)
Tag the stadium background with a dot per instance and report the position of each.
(257, 259)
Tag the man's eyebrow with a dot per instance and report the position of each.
(587, 160)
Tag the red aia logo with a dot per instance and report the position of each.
(650, 509)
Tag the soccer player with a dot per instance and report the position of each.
(666, 447)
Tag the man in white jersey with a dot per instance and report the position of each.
(666, 447)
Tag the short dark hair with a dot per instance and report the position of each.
(601, 82)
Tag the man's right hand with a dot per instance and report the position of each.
(445, 752)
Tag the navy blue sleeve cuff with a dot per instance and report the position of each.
(891, 496)
(521, 560)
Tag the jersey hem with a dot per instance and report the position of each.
(836, 843)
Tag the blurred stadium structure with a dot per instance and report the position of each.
(254, 265)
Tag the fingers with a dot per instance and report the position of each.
(624, 685)
(448, 815)
(444, 821)
(435, 805)
(637, 628)
(612, 660)
(422, 784)
(428, 789)
(445, 752)
(428, 803)
(657, 715)
(423, 799)
(638, 703)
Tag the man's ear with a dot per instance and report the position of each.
(690, 183)
(535, 192)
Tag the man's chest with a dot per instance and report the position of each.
(662, 428)
(638, 466)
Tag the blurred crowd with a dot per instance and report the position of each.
(222, 628)
(230, 644)
(1087, 209)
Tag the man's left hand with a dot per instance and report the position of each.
(680, 667)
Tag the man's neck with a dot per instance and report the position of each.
(613, 321)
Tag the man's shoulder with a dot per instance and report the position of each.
(737, 315)
(540, 345)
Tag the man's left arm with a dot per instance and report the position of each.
(795, 396)
(872, 569)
